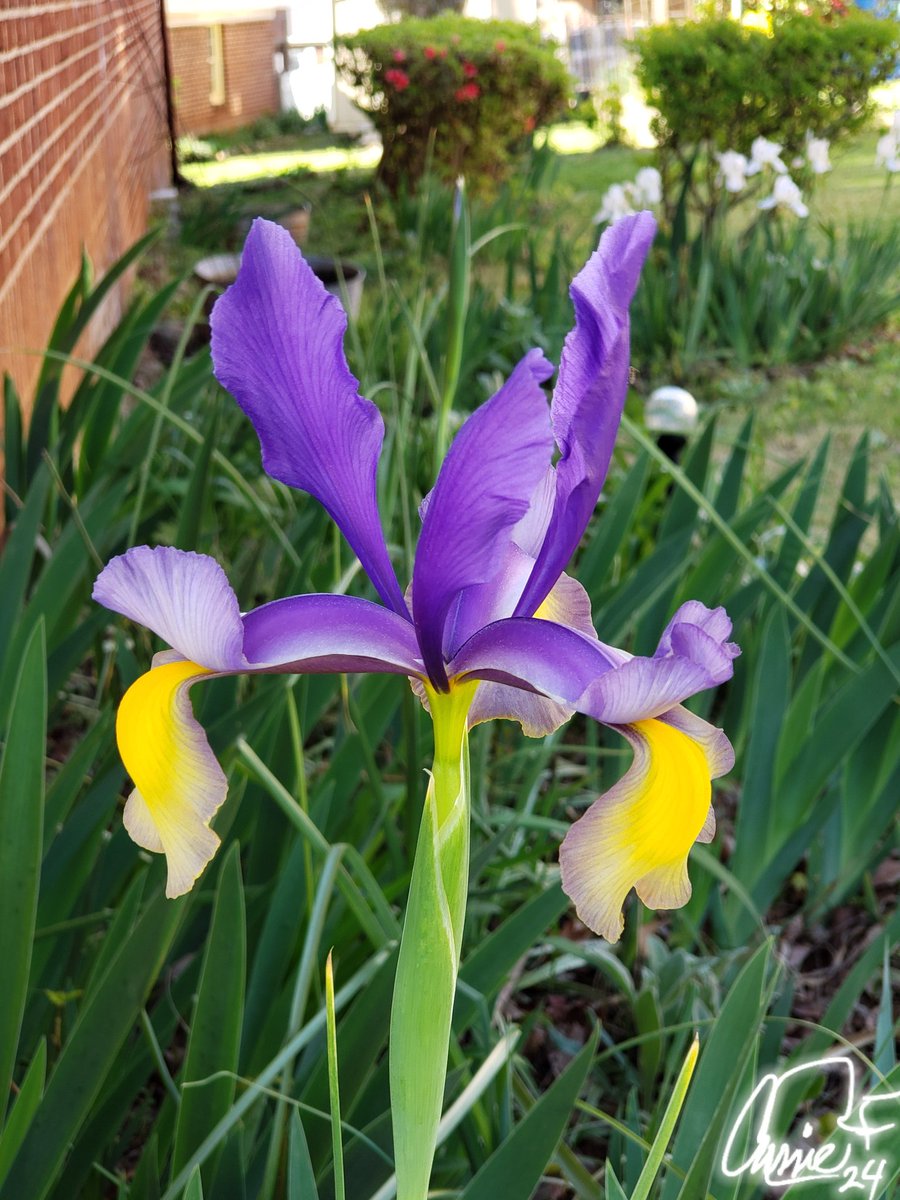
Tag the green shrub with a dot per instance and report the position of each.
(192, 149)
(477, 88)
(719, 83)
(611, 113)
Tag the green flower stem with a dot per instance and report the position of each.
(457, 307)
(429, 949)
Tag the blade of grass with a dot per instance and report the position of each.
(743, 551)
(23, 1110)
(667, 1124)
(215, 1034)
(838, 586)
(301, 1179)
(311, 1030)
(333, 1083)
(514, 1170)
(21, 836)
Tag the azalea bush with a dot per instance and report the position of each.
(459, 94)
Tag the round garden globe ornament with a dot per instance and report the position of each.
(489, 627)
(671, 409)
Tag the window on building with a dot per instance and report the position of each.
(216, 65)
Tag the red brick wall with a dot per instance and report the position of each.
(251, 84)
(82, 144)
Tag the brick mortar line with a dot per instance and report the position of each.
(25, 11)
(30, 84)
(36, 118)
(51, 212)
(45, 143)
(75, 147)
(31, 47)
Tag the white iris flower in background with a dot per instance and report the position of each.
(733, 170)
(764, 153)
(887, 151)
(616, 204)
(786, 194)
(648, 186)
(817, 154)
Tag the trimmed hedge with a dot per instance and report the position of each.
(720, 83)
(478, 88)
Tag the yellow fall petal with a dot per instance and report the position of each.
(639, 833)
(179, 785)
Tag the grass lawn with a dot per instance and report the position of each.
(241, 168)
(840, 397)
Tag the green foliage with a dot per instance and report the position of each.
(610, 114)
(422, 8)
(456, 94)
(130, 998)
(779, 292)
(192, 149)
(719, 84)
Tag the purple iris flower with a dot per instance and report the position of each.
(488, 601)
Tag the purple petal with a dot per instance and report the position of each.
(713, 621)
(644, 687)
(324, 633)
(567, 605)
(484, 603)
(590, 393)
(533, 654)
(277, 346)
(485, 485)
(529, 533)
(183, 597)
(595, 679)
(537, 715)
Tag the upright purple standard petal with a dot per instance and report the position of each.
(484, 488)
(590, 393)
(277, 346)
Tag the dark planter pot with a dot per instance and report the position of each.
(220, 270)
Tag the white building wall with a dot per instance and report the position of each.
(312, 83)
(313, 23)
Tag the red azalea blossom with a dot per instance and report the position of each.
(468, 91)
(430, 52)
(399, 56)
(397, 79)
(469, 70)
(500, 46)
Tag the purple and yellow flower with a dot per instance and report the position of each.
(489, 614)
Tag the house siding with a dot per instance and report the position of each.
(83, 141)
(251, 82)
